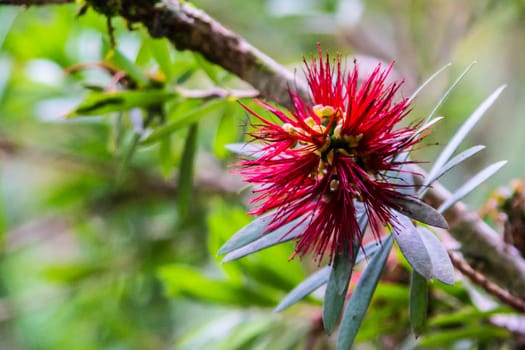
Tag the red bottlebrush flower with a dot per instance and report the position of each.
(330, 153)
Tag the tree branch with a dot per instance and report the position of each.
(191, 29)
(500, 261)
(34, 2)
(504, 296)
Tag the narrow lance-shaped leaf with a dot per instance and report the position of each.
(442, 268)
(453, 163)
(426, 82)
(418, 302)
(208, 68)
(249, 233)
(336, 288)
(445, 339)
(226, 130)
(165, 156)
(471, 185)
(283, 234)
(182, 121)
(160, 51)
(465, 315)
(97, 103)
(411, 245)
(361, 297)
(185, 188)
(449, 90)
(420, 211)
(122, 62)
(463, 131)
(335, 294)
(428, 124)
(320, 278)
(306, 287)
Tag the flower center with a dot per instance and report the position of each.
(335, 142)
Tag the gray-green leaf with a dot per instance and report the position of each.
(361, 297)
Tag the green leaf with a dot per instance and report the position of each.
(122, 62)
(320, 278)
(418, 302)
(312, 283)
(428, 124)
(453, 163)
(335, 294)
(341, 272)
(129, 150)
(73, 272)
(412, 245)
(166, 156)
(97, 103)
(471, 185)
(226, 130)
(426, 82)
(282, 234)
(449, 90)
(463, 316)
(420, 211)
(185, 180)
(463, 131)
(360, 300)
(336, 288)
(404, 179)
(211, 70)
(442, 268)
(249, 233)
(332, 305)
(182, 121)
(185, 281)
(447, 337)
(161, 52)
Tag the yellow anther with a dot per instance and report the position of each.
(321, 171)
(319, 128)
(337, 131)
(352, 141)
(334, 185)
(325, 146)
(330, 157)
(346, 153)
(310, 122)
(289, 128)
(323, 111)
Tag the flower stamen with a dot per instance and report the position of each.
(323, 111)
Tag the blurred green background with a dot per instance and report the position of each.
(107, 243)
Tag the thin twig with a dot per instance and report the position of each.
(482, 281)
(502, 262)
(217, 93)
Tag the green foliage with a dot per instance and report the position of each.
(418, 302)
(112, 225)
(360, 299)
(336, 288)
